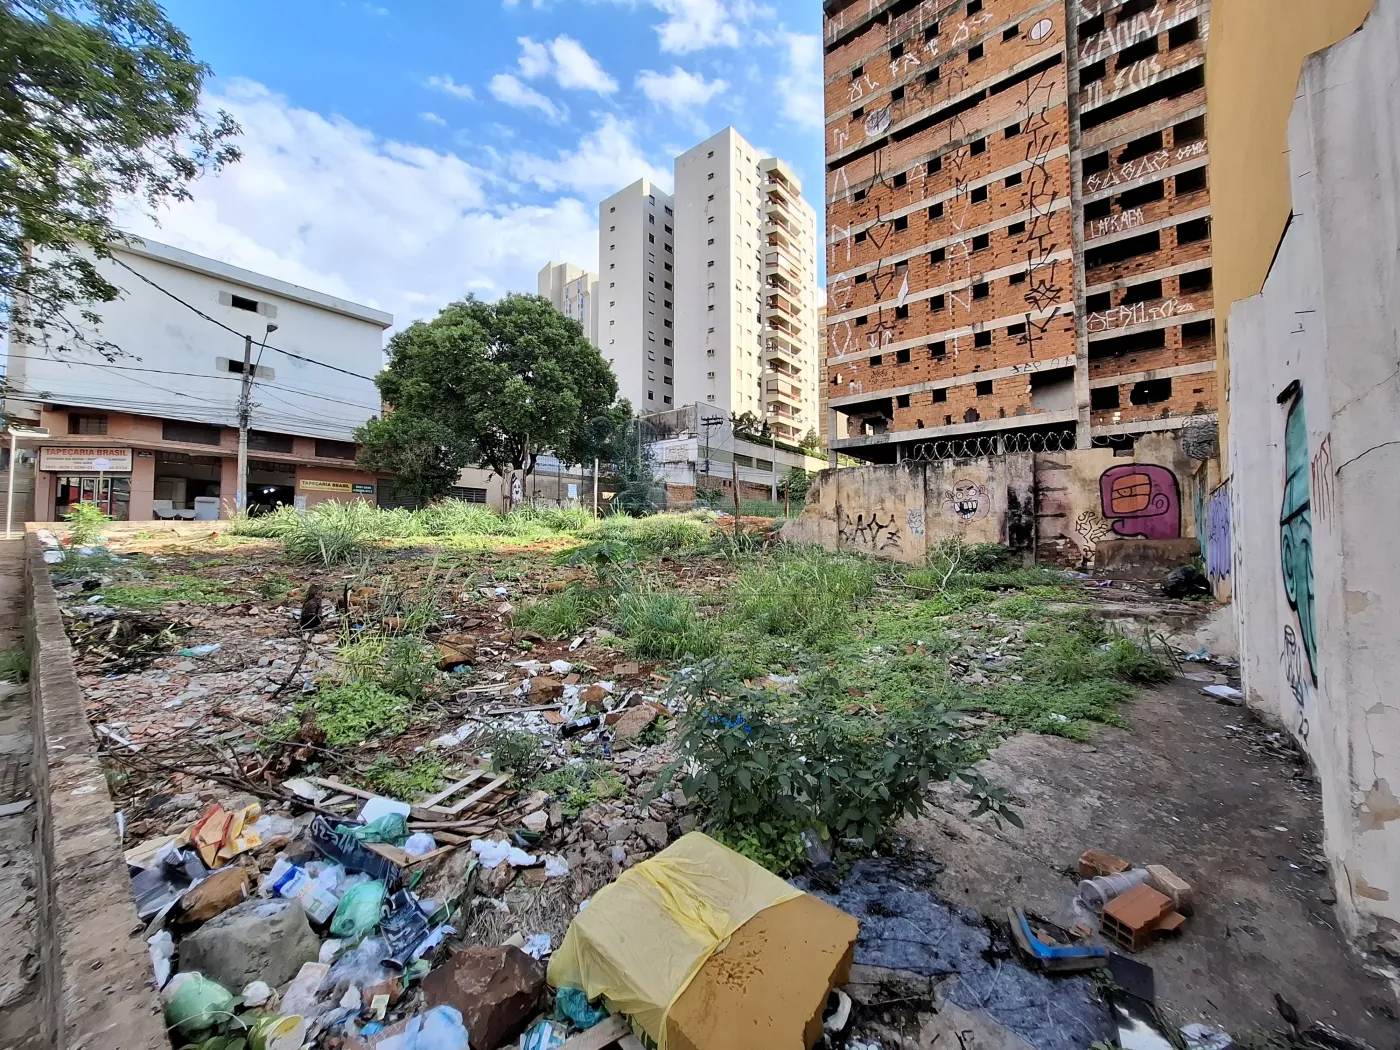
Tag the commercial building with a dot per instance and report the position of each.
(746, 338)
(1305, 113)
(142, 410)
(1018, 235)
(636, 294)
(573, 291)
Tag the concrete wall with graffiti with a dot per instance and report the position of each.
(1310, 510)
(900, 511)
(1057, 507)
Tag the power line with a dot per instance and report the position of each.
(242, 335)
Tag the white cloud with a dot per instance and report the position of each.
(606, 160)
(692, 25)
(512, 91)
(564, 59)
(801, 84)
(450, 87)
(576, 68)
(322, 202)
(432, 118)
(678, 90)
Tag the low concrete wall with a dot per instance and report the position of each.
(94, 973)
(1058, 507)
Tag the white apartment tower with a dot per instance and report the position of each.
(573, 291)
(636, 280)
(745, 278)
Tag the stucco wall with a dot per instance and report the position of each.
(1058, 507)
(1256, 50)
(1315, 448)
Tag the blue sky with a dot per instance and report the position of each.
(404, 152)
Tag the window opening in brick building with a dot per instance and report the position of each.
(982, 339)
(1183, 34)
(901, 357)
(941, 394)
(1151, 392)
(1103, 397)
(1192, 181)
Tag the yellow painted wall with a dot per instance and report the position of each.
(1256, 53)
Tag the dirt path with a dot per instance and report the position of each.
(18, 950)
(1202, 788)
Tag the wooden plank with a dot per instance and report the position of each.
(433, 800)
(474, 797)
(602, 1034)
(336, 785)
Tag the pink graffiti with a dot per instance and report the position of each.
(1143, 500)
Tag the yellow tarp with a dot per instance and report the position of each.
(642, 939)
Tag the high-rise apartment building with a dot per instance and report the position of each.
(747, 338)
(1018, 235)
(572, 290)
(636, 294)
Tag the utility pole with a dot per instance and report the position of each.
(735, 466)
(709, 423)
(245, 415)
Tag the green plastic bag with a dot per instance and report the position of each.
(391, 828)
(358, 913)
(194, 1004)
(572, 1004)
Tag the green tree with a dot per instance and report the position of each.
(812, 442)
(99, 103)
(796, 484)
(492, 383)
(424, 456)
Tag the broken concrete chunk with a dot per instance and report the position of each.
(496, 989)
(1168, 883)
(654, 832)
(632, 724)
(543, 690)
(536, 821)
(255, 941)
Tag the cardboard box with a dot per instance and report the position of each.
(766, 989)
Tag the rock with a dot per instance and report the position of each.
(654, 832)
(678, 798)
(536, 821)
(536, 800)
(687, 823)
(255, 941)
(215, 895)
(495, 881)
(632, 724)
(544, 690)
(592, 697)
(451, 657)
(621, 831)
(496, 989)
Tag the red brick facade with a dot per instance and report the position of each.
(1003, 255)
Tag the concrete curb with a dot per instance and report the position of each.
(95, 978)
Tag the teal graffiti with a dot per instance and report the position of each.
(1295, 524)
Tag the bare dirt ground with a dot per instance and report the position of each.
(1210, 791)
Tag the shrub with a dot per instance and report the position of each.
(579, 784)
(85, 524)
(354, 712)
(516, 751)
(764, 765)
(324, 538)
(419, 778)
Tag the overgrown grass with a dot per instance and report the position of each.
(14, 665)
(154, 594)
(805, 595)
(397, 663)
(665, 625)
(565, 614)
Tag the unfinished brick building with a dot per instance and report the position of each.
(1018, 226)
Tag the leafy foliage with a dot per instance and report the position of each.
(579, 784)
(496, 383)
(358, 710)
(424, 456)
(85, 524)
(195, 589)
(516, 751)
(420, 777)
(396, 663)
(99, 101)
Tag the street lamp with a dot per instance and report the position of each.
(16, 432)
(245, 412)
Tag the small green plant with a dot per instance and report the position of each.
(564, 615)
(419, 778)
(665, 625)
(153, 595)
(354, 712)
(14, 665)
(397, 663)
(609, 558)
(579, 784)
(85, 524)
(516, 751)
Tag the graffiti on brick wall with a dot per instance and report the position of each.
(1138, 75)
(1090, 528)
(1295, 524)
(967, 500)
(1149, 164)
(1218, 545)
(1142, 501)
(868, 532)
(1137, 313)
(1119, 223)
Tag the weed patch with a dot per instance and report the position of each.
(564, 615)
(419, 778)
(807, 596)
(354, 712)
(14, 665)
(399, 663)
(516, 751)
(665, 625)
(580, 784)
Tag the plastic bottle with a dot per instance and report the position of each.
(1097, 892)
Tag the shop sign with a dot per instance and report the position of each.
(85, 460)
(312, 485)
(362, 490)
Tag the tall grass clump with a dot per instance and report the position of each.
(564, 615)
(665, 625)
(324, 538)
(806, 595)
(669, 532)
(85, 524)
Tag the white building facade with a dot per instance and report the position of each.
(148, 427)
(635, 299)
(572, 290)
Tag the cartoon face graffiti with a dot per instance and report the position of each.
(1142, 500)
(967, 500)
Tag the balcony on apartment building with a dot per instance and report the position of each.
(783, 304)
(783, 285)
(776, 237)
(775, 389)
(778, 323)
(783, 263)
(781, 347)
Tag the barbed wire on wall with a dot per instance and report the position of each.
(1200, 438)
(992, 445)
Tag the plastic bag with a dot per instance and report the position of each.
(543, 1035)
(360, 966)
(194, 1004)
(440, 1028)
(419, 843)
(572, 1004)
(391, 828)
(644, 937)
(359, 911)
